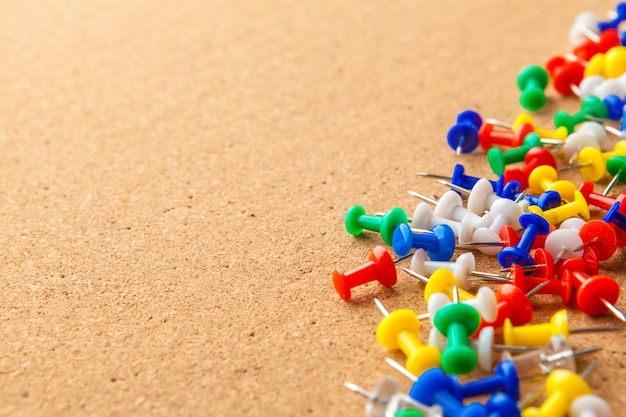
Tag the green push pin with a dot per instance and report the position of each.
(532, 82)
(498, 159)
(590, 106)
(357, 220)
(617, 168)
(458, 322)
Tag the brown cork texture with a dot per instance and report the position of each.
(174, 177)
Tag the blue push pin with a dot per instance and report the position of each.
(620, 16)
(501, 405)
(439, 243)
(614, 216)
(504, 379)
(614, 106)
(546, 201)
(463, 136)
(534, 226)
(510, 190)
(434, 387)
(459, 178)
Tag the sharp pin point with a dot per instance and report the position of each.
(616, 311)
(402, 258)
(415, 274)
(395, 365)
(426, 174)
(423, 197)
(381, 307)
(454, 186)
(588, 370)
(611, 184)
(596, 329)
(582, 352)
(529, 398)
(499, 123)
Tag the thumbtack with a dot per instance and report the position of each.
(562, 388)
(540, 334)
(565, 74)
(380, 267)
(618, 18)
(545, 178)
(584, 20)
(533, 159)
(463, 136)
(613, 130)
(503, 212)
(379, 398)
(532, 82)
(590, 106)
(462, 268)
(578, 207)
(525, 118)
(536, 289)
(399, 330)
(439, 242)
(498, 160)
(357, 220)
(616, 167)
(558, 354)
(534, 225)
(489, 137)
(595, 294)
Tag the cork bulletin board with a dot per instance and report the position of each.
(174, 177)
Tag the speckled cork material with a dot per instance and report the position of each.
(174, 177)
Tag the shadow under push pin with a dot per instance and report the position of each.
(595, 294)
(557, 215)
(617, 168)
(534, 226)
(378, 399)
(498, 160)
(463, 136)
(399, 330)
(540, 334)
(532, 81)
(357, 220)
(380, 267)
(590, 406)
(439, 242)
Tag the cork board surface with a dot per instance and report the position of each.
(174, 181)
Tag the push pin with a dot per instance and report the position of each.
(513, 304)
(595, 295)
(533, 159)
(585, 28)
(380, 267)
(484, 301)
(540, 334)
(532, 82)
(534, 225)
(562, 388)
(357, 220)
(488, 137)
(504, 379)
(603, 43)
(545, 178)
(592, 162)
(557, 215)
(618, 18)
(463, 136)
(590, 106)
(504, 212)
(425, 219)
(558, 354)
(399, 330)
(498, 160)
(525, 118)
(439, 242)
(617, 168)
(589, 134)
(482, 198)
(462, 268)
(566, 75)
(598, 236)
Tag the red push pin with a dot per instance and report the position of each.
(605, 203)
(599, 237)
(534, 158)
(380, 267)
(566, 75)
(489, 137)
(510, 237)
(606, 40)
(595, 294)
(513, 304)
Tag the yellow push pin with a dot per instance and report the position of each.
(399, 330)
(526, 119)
(557, 215)
(545, 178)
(540, 334)
(563, 387)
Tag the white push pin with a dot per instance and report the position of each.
(585, 27)
(588, 85)
(424, 218)
(401, 401)
(589, 134)
(503, 211)
(462, 268)
(590, 406)
(485, 303)
(564, 242)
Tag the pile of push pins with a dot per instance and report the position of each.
(537, 225)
